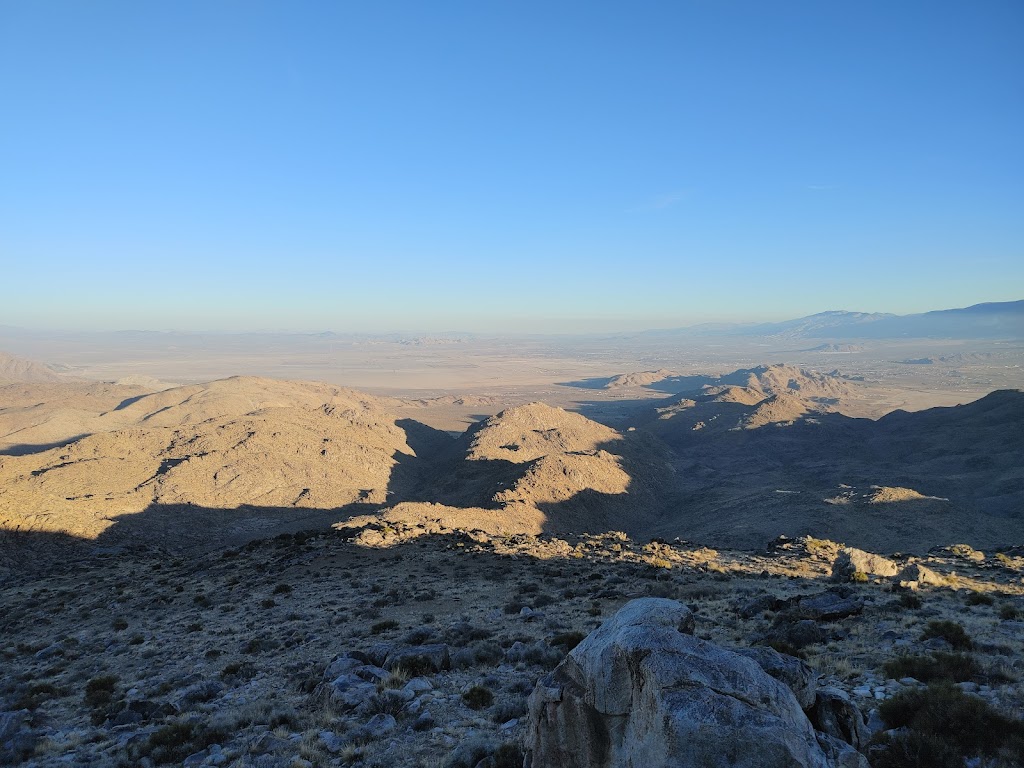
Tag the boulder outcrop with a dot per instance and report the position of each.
(638, 691)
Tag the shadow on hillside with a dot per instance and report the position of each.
(721, 488)
(27, 449)
(671, 385)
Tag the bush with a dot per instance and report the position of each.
(1008, 612)
(910, 600)
(944, 725)
(567, 640)
(100, 690)
(953, 667)
(508, 755)
(979, 598)
(478, 697)
(508, 709)
(949, 631)
(176, 741)
(384, 626)
(283, 589)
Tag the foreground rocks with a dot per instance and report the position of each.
(639, 690)
(313, 651)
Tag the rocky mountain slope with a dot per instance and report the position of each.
(223, 446)
(16, 369)
(738, 460)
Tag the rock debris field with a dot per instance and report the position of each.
(393, 645)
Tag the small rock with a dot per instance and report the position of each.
(418, 685)
(332, 742)
(380, 726)
(424, 722)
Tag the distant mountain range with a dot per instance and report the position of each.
(994, 320)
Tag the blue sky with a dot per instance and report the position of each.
(502, 166)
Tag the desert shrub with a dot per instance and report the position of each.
(240, 670)
(542, 600)
(979, 598)
(383, 626)
(943, 725)
(119, 624)
(513, 606)
(479, 653)
(176, 741)
(478, 697)
(283, 589)
(859, 576)
(508, 755)
(567, 640)
(542, 655)
(949, 631)
(955, 667)
(202, 601)
(194, 627)
(910, 600)
(34, 695)
(508, 709)
(1008, 612)
(385, 704)
(100, 690)
(267, 602)
(418, 636)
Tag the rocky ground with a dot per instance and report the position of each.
(418, 646)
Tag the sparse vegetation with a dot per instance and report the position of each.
(955, 667)
(951, 632)
(943, 726)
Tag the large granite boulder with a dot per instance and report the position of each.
(639, 692)
(851, 562)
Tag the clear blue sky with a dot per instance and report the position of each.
(505, 165)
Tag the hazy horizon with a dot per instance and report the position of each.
(608, 324)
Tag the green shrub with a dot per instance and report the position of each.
(949, 631)
(954, 667)
(944, 725)
(979, 598)
(910, 600)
